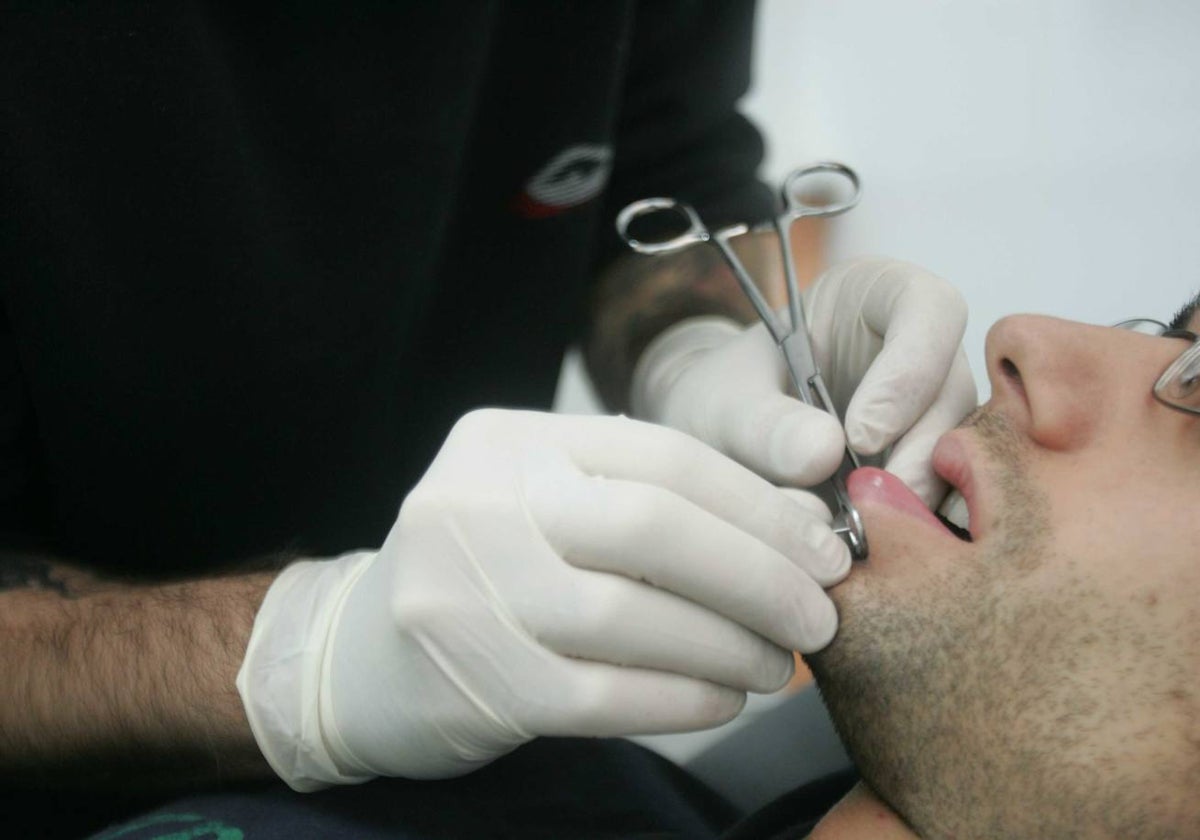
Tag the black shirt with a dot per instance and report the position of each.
(257, 258)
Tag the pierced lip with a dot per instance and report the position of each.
(952, 459)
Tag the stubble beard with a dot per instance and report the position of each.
(1007, 695)
(916, 678)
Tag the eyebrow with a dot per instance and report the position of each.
(1184, 316)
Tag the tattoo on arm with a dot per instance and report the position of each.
(638, 297)
(26, 572)
(21, 571)
(31, 573)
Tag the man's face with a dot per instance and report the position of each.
(1043, 679)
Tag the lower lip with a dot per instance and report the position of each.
(870, 485)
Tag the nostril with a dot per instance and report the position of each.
(1010, 369)
(1012, 375)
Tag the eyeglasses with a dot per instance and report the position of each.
(1179, 385)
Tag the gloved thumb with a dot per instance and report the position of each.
(726, 386)
(781, 438)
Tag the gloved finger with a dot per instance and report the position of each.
(811, 502)
(647, 533)
(601, 700)
(653, 455)
(727, 387)
(739, 405)
(626, 622)
(911, 457)
(921, 319)
(779, 437)
(667, 358)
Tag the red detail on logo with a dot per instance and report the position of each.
(572, 177)
(525, 205)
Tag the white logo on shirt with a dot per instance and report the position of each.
(574, 176)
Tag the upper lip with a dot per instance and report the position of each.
(953, 459)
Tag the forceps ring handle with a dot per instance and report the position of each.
(696, 231)
(796, 208)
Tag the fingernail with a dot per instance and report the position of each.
(807, 449)
(809, 503)
(865, 437)
(823, 623)
(777, 673)
(834, 558)
(840, 562)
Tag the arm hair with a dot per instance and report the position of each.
(106, 684)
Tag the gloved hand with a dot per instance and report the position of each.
(549, 575)
(886, 337)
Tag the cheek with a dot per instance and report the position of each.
(1125, 527)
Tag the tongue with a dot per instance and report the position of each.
(873, 485)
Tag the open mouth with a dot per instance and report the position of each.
(958, 531)
(952, 462)
(954, 515)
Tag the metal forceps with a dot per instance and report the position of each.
(793, 340)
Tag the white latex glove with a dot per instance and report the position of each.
(887, 338)
(549, 575)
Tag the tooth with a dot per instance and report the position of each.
(954, 508)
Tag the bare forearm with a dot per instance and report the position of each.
(862, 815)
(638, 297)
(105, 684)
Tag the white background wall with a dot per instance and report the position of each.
(1044, 155)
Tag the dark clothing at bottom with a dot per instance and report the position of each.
(580, 789)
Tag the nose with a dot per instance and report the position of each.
(1060, 379)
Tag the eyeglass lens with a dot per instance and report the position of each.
(1179, 385)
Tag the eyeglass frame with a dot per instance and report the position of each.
(1189, 356)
